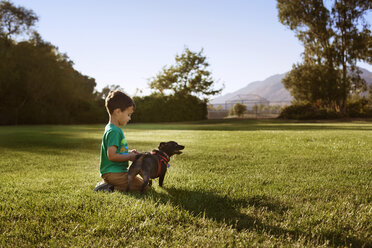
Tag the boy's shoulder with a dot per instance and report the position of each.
(112, 128)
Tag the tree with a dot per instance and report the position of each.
(106, 90)
(15, 20)
(334, 39)
(38, 84)
(351, 44)
(314, 84)
(238, 109)
(370, 95)
(188, 76)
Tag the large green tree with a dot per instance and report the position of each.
(189, 76)
(335, 36)
(38, 84)
(313, 83)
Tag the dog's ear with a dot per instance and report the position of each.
(161, 145)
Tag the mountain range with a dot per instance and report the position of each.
(271, 89)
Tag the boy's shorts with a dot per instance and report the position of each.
(119, 180)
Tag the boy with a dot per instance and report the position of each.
(114, 149)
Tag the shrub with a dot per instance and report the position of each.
(359, 108)
(307, 111)
(160, 108)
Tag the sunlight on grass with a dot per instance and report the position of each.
(238, 183)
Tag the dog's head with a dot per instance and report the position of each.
(171, 148)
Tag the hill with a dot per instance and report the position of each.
(271, 89)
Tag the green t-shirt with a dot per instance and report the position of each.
(113, 136)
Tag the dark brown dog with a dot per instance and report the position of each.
(153, 165)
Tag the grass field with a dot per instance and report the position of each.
(238, 184)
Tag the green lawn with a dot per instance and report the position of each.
(238, 184)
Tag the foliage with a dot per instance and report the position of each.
(359, 108)
(39, 85)
(211, 107)
(15, 20)
(238, 183)
(188, 76)
(106, 90)
(334, 40)
(160, 108)
(315, 84)
(307, 111)
(238, 109)
(370, 96)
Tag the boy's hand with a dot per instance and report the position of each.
(132, 155)
(134, 151)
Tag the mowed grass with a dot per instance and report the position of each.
(238, 184)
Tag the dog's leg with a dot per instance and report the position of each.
(132, 173)
(134, 170)
(161, 179)
(146, 179)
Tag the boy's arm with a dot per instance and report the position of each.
(113, 156)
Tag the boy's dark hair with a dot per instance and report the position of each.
(117, 99)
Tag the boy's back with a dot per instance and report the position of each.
(113, 136)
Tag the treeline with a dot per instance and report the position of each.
(160, 108)
(39, 85)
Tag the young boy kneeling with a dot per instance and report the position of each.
(114, 149)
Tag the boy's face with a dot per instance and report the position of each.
(125, 116)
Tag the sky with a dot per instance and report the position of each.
(127, 42)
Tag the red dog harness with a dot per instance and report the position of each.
(163, 159)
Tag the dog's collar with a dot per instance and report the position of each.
(161, 154)
(164, 159)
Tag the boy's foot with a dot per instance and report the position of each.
(103, 186)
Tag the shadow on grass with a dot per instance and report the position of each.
(46, 142)
(226, 210)
(55, 139)
(223, 208)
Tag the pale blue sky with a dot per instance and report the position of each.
(126, 42)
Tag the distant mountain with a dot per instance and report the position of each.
(271, 89)
(367, 75)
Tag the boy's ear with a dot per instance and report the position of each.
(116, 111)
